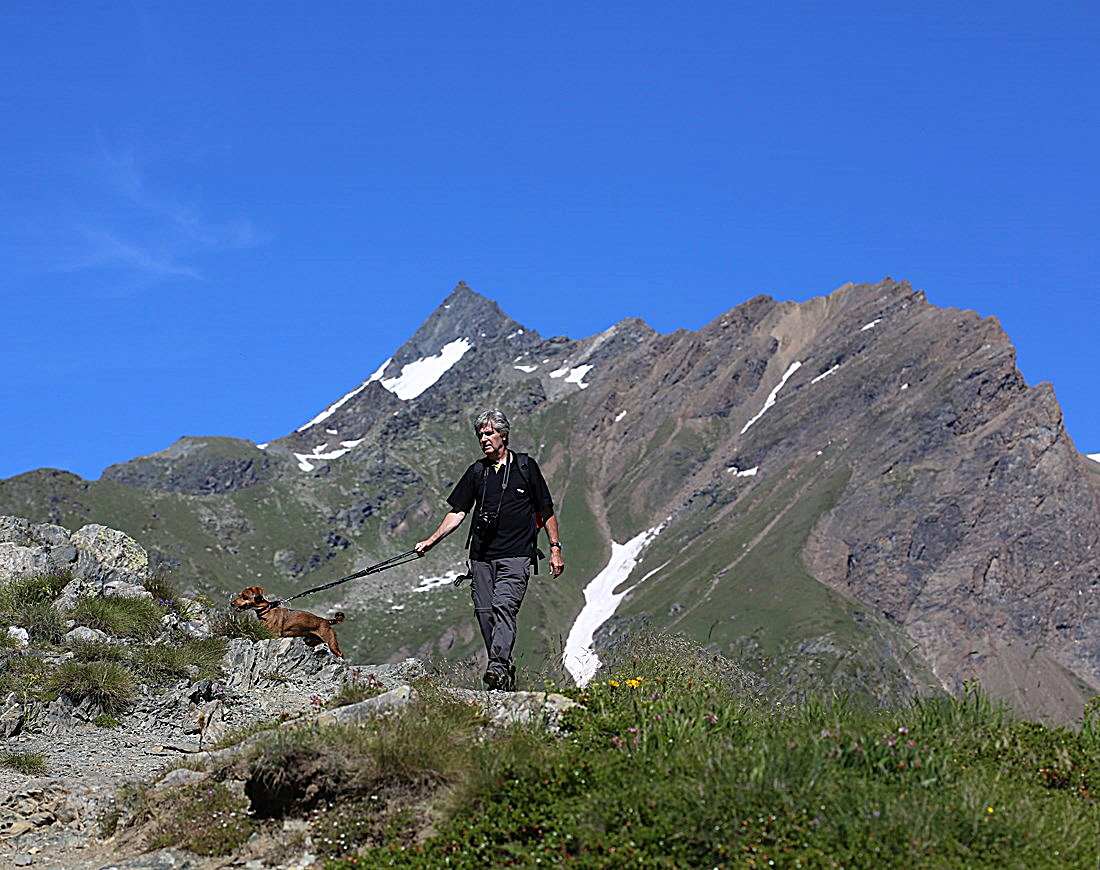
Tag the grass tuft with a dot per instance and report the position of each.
(110, 685)
(30, 763)
(134, 618)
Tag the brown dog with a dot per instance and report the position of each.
(284, 622)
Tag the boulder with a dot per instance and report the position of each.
(72, 593)
(18, 561)
(518, 708)
(108, 554)
(15, 530)
(49, 535)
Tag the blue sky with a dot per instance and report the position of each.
(218, 218)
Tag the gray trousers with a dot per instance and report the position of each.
(498, 588)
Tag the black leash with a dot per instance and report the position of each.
(373, 569)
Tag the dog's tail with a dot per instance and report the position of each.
(338, 618)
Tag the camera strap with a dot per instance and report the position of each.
(479, 501)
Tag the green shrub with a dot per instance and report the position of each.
(105, 721)
(135, 618)
(30, 763)
(231, 624)
(110, 685)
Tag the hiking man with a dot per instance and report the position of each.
(510, 500)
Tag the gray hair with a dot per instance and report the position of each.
(494, 418)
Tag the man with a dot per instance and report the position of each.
(509, 498)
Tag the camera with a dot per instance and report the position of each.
(485, 522)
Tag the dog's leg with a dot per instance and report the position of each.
(326, 633)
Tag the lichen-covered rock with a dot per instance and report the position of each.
(108, 554)
(18, 561)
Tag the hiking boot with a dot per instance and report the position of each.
(492, 680)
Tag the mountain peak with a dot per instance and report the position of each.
(464, 314)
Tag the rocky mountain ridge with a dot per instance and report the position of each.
(858, 488)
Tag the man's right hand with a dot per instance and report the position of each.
(423, 547)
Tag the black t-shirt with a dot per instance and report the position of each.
(515, 531)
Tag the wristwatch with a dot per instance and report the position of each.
(555, 544)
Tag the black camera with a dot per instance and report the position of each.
(485, 522)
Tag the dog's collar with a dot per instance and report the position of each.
(266, 606)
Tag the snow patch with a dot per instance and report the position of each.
(573, 375)
(262, 446)
(794, 367)
(600, 603)
(306, 461)
(427, 583)
(870, 325)
(619, 416)
(824, 375)
(527, 369)
(1095, 457)
(417, 376)
(748, 472)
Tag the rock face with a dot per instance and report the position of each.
(858, 491)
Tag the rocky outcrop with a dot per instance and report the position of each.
(92, 553)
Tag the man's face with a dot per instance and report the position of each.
(489, 439)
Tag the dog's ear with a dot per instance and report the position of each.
(259, 591)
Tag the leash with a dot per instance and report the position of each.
(373, 569)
